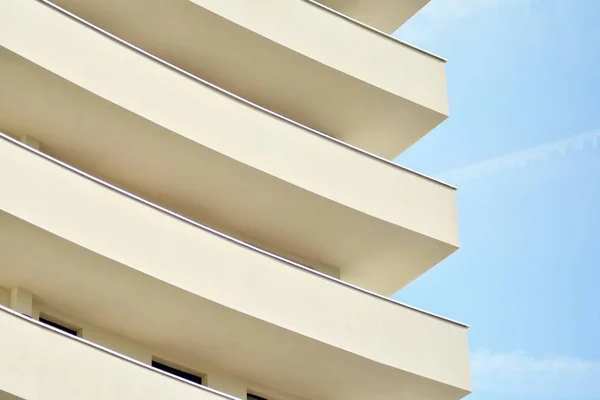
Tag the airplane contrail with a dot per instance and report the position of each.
(523, 158)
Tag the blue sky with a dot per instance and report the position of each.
(523, 146)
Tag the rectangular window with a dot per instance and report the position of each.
(182, 374)
(58, 326)
(251, 396)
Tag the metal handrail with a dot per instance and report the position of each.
(235, 96)
(112, 352)
(180, 217)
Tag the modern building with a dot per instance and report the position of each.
(197, 201)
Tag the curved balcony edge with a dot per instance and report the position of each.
(222, 235)
(239, 98)
(375, 30)
(111, 352)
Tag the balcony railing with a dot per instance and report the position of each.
(199, 225)
(241, 99)
(75, 339)
(373, 29)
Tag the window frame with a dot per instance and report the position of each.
(182, 372)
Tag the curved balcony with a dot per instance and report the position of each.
(206, 294)
(385, 15)
(41, 362)
(296, 58)
(111, 109)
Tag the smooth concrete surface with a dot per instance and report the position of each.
(41, 363)
(213, 377)
(226, 385)
(294, 57)
(29, 141)
(222, 379)
(4, 294)
(8, 396)
(93, 333)
(21, 300)
(268, 326)
(385, 15)
(254, 173)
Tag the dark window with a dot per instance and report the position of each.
(182, 374)
(255, 397)
(58, 326)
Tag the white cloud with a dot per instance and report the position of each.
(549, 377)
(525, 158)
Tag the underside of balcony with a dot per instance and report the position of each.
(292, 57)
(248, 176)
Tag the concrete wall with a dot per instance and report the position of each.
(213, 377)
(4, 295)
(39, 363)
(330, 74)
(261, 301)
(385, 15)
(95, 334)
(402, 223)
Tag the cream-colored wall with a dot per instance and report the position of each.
(86, 330)
(403, 224)
(96, 334)
(223, 380)
(385, 15)
(4, 293)
(31, 354)
(201, 264)
(256, 139)
(21, 300)
(373, 58)
(213, 376)
(336, 76)
(311, 263)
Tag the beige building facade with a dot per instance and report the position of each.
(197, 200)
